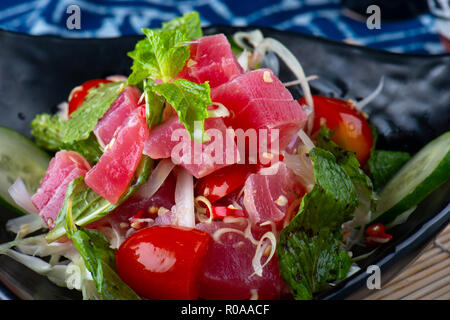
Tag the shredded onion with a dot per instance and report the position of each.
(18, 191)
(216, 236)
(306, 140)
(243, 60)
(296, 82)
(361, 104)
(303, 167)
(270, 44)
(220, 112)
(157, 178)
(184, 199)
(253, 37)
(260, 249)
(200, 217)
(25, 225)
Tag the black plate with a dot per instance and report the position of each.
(414, 107)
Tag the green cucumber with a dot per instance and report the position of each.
(19, 157)
(421, 175)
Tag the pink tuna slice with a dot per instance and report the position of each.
(117, 114)
(201, 160)
(286, 116)
(113, 172)
(257, 84)
(211, 60)
(267, 197)
(63, 168)
(228, 266)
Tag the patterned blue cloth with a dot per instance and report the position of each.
(110, 18)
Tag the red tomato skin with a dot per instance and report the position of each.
(375, 230)
(221, 212)
(78, 94)
(163, 262)
(222, 182)
(353, 132)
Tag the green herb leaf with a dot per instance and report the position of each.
(87, 206)
(99, 259)
(190, 100)
(47, 130)
(383, 165)
(189, 24)
(363, 184)
(308, 249)
(333, 198)
(307, 262)
(85, 118)
(161, 56)
(163, 53)
(154, 104)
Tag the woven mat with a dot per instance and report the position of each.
(428, 278)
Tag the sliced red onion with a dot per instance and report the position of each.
(18, 191)
(184, 199)
(157, 178)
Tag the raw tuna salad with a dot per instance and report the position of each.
(199, 175)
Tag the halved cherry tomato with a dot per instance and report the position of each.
(353, 132)
(376, 234)
(163, 262)
(221, 182)
(78, 94)
(221, 212)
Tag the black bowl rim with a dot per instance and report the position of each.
(413, 243)
(237, 28)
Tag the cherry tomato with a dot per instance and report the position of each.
(376, 234)
(163, 262)
(375, 230)
(78, 94)
(221, 212)
(221, 182)
(353, 132)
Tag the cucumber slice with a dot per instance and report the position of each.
(19, 157)
(426, 171)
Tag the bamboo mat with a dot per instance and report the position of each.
(427, 278)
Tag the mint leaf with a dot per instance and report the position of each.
(189, 24)
(163, 53)
(47, 131)
(154, 104)
(333, 198)
(346, 159)
(363, 184)
(307, 262)
(309, 251)
(87, 206)
(169, 53)
(383, 165)
(85, 118)
(99, 259)
(190, 100)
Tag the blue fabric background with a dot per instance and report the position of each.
(110, 18)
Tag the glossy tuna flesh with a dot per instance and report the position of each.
(112, 174)
(63, 168)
